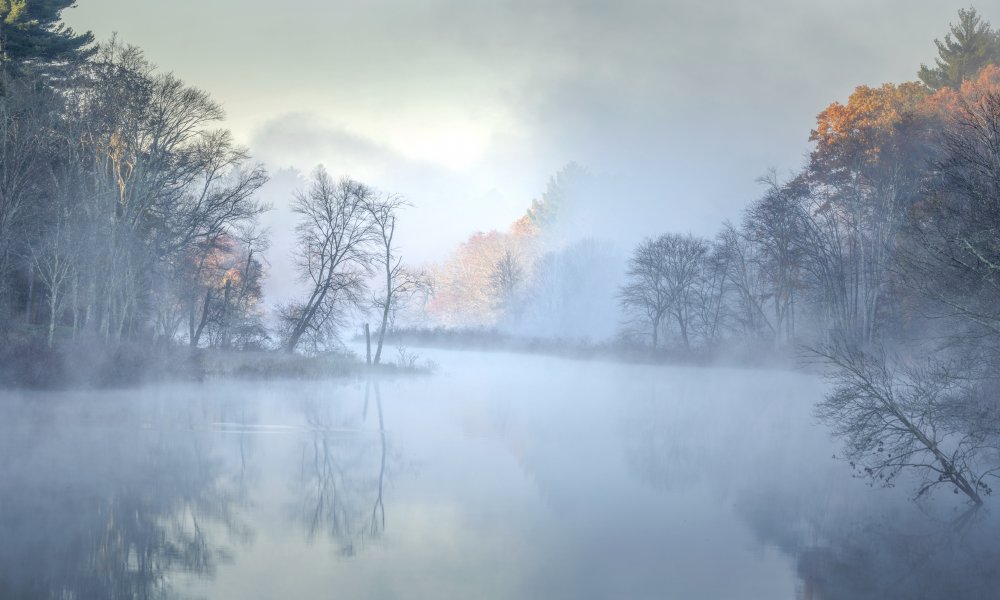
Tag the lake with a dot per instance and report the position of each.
(499, 476)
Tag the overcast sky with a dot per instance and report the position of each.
(467, 108)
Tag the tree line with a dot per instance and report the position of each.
(129, 216)
(125, 210)
(881, 258)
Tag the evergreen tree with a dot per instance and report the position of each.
(559, 195)
(30, 30)
(971, 45)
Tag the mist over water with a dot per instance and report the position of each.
(500, 476)
(556, 300)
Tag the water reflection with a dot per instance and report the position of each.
(658, 446)
(116, 508)
(343, 470)
(607, 481)
(897, 552)
(846, 540)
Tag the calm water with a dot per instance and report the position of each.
(501, 476)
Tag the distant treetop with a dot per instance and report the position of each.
(970, 45)
(559, 193)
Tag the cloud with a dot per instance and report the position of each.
(468, 107)
(305, 139)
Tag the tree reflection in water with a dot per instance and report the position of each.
(343, 472)
(847, 541)
(110, 501)
(658, 446)
(897, 552)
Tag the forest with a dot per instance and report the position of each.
(130, 241)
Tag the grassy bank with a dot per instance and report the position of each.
(483, 339)
(27, 362)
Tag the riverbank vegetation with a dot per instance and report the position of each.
(129, 221)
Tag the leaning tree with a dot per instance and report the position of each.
(336, 237)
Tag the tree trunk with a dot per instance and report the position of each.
(224, 325)
(381, 331)
(240, 297)
(192, 303)
(307, 316)
(368, 345)
(88, 312)
(388, 293)
(53, 301)
(31, 294)
(682, 323)
(76, 305)
(204, 319)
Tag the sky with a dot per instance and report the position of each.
(468, 108)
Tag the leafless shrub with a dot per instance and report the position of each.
(927, 417)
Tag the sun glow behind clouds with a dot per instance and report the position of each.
(373, 140)
(456, 146)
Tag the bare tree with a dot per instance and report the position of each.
(218, 281)
(146, 134)
(710, 295)
(238, 315)
(849, 230)
(646, 293)
(51, 257)
(26, 108)
(219, 198)
(953, 254)
(927, 418)
(662, 280)
(336, 234)
(399, 282)
(773, 224)
(506, 280)
(745, 282)
(60, 248)
(682, 271)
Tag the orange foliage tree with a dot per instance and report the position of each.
(486, 278)
(872, 130)
(872, 158)
(948, 102)
(464, 294)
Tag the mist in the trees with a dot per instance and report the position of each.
(259, 354)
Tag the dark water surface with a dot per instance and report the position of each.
(501, 476)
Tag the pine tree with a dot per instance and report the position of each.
(30, 30)
(971, 45)
(559, 193)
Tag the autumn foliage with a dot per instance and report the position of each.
(879, 124)
(464, 294)
(864, 131)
